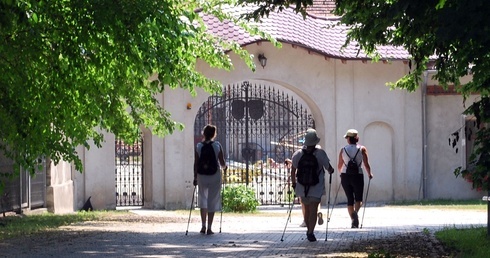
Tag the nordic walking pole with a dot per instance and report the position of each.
(222, 191)
(328, 206)
(289, 217)
(365, 202)
(190, 210)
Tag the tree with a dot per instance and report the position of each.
(70, 69)
(455, 34)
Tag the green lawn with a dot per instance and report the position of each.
(470, 242)
(446, 204)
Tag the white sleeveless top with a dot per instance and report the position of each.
(352, 149)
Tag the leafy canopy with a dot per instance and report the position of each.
(454, 34)
(72, 69)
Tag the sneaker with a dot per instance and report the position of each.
(355, 220)
(303, 225)
(311, 237)
(320, 218)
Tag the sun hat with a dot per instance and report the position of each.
(351, 133)
(311, 138)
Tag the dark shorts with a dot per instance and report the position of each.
(310, 200)
(353, 187)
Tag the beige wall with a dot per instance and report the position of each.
(59, 190)
(340, 95)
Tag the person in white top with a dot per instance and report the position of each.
(353, 182)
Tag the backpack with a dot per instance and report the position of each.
(352, 166)
(307, 174)
(207, 163)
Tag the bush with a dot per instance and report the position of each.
(239, 199)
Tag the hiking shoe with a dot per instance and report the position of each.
(311, 237)
(355, 220)
(303, 225)
(320, 218)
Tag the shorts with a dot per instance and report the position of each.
(310, 200)
(209, 192)
(353, 185)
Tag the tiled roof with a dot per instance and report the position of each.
(319, 35)
(322, 8)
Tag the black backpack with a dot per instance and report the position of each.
(207, 163)
(352, 166)
(307, 174)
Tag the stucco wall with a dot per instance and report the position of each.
(443, 159)
(59, 192)
(340, 95)
(97, 180)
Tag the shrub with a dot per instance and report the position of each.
(239, 199)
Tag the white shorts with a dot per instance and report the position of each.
(209, 192)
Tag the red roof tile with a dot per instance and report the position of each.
(324, 36)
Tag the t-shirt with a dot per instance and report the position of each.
(323, 162)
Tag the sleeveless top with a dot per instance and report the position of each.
(352, 149)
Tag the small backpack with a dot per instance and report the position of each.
(352, 166)
(307, 174)
(207, 163)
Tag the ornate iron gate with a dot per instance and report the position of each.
(258, 127)
(129, 173)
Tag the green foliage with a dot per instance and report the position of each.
(380, 254)
(264, 8)
(71, 70)
(239, 198)
(478, 170)
(450, 37)
(468, 242)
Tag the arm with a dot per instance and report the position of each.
(221, 159)
(293, 176)
(341, 161)
(196, 158)
(365, 160)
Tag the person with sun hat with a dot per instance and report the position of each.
(353, 182)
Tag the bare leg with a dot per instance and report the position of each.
(303, 210)
(353, 213)
(350, 210)
(204, 213)
(210, 222)
(357, 206)
(311, 211)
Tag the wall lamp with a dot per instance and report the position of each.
(262, 60)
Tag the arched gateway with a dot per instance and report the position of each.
(259, 127)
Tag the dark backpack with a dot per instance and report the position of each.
(207, 163)
(307, 174)
(352, 166)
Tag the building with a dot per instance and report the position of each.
(310, 81)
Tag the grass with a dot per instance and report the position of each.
(469, 242)
(444, 204)
(15, 226)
